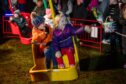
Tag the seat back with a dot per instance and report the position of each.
(15, 29)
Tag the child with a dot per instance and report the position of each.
(62, 40)
(21, 22)
(123, 23)
(39, 9)
(66, 7)
(48, 18)
(42, 34)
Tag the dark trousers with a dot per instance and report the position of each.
(50, 56)
(124, 41)
(26, 32)
(115, 43)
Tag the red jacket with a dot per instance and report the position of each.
(21, 1)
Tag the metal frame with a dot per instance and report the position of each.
(86, 40)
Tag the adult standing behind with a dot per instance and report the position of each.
(66, 6)
(113, 11)
(39, 9)
(79, 10)
(123, 23)
(21, 4)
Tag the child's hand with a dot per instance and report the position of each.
(11, 18)
(87, 29)
(43, 44)
(58, 54)
(26, 24)
(45, 50)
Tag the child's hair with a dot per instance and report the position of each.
(123, 11)
(36, 20)
(57, 19)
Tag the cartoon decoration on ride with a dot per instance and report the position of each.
(42, 38)
(63, 40)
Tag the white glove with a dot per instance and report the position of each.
(45, 50)
(58, 54)
(87, 29)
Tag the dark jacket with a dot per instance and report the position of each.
(66, 6)
(80, 11)
(39, 10)
(113, 11)
(21, 22)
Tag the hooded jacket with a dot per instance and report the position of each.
(63, 38)
(42, 36)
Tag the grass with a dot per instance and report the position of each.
(16, 60)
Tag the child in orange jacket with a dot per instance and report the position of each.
(42, 35)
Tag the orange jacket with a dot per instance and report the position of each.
(41, 36)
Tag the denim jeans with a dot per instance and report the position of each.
(50, 56)
(115, 43)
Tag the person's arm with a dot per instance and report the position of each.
(34, 35)
(35, 9)
(55, 43)
(70, 7)
(75, 31)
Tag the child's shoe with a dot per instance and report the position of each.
(61, 66)
(72, 65)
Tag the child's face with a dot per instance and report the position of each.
(49, 16)
(16, 15)
(39, 3)
(41, 26)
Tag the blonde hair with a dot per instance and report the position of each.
(57, 19)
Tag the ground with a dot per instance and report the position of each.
(16, 60)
